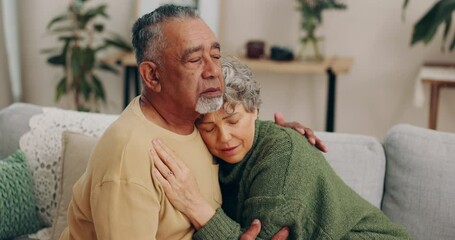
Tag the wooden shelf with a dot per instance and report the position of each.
(337, 64)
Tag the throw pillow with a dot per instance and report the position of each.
(76, 150)
(17, 203)
(419, 184)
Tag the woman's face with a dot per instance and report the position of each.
(228, 136)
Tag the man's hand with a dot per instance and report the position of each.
(255, 228)
(307, 132)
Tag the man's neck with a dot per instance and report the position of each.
(174, 122)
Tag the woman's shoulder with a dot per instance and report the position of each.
(270, 137)
(283, 156)
(285, 144)
(270, 132)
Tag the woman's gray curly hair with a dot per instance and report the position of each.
(240, 87)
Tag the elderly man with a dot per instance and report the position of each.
(179, 61)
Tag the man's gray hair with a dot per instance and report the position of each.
(148, 39)
(240, 87)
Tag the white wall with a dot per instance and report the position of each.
(375, 95)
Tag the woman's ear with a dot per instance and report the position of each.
(150, 75)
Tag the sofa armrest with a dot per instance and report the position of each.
(419, 184)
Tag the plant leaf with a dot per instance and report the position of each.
(57, 19)
(98, 88)
(405, 5)
(61, 89)
(119, 43)
(83, 109)
(426, 27)
(69, 38)
(99, 27)
(63, 29)
(452, 46)
(92, 13)
(85, 88)
(107, 67)
(57, 60)
(88, 59)
(448, 23)
(76, 62)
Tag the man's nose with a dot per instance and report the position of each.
(212, 68)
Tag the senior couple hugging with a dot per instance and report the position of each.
(188, 158)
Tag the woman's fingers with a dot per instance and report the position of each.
(161, 179)
(164, 170)
(166, 155)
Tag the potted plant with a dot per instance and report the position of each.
(311, 12)
(82, 35)
(426, 27)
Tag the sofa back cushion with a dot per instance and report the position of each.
(420, 179)
(359, 160)
(13, 124)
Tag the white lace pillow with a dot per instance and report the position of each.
(42, 146)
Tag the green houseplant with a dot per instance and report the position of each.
(311, 13)
(82, 35)
(426, 27)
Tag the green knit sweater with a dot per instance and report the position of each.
(285, 181)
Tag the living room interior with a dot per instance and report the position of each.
(377, 93)
(382, 87)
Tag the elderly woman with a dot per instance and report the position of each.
(268, 173)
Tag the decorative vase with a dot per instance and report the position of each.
(311, 49)
(310, 43)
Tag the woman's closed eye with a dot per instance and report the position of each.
(208, 129)
(233, 121)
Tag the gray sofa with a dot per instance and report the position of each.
(410, 175)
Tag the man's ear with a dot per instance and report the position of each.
(150, 75)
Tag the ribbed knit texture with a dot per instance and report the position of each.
(17, 203)
(285, 181)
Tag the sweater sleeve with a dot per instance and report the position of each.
(220, 226)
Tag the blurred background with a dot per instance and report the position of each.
(377, 92)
